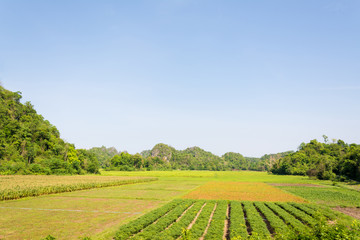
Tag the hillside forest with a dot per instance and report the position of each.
(331, 161)
(29, 144)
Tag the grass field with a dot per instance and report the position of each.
(95, 212)
(100, 212)
(235, 176)
(331, 196)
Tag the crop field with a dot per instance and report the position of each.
(203, 204)
(94, 212)
(253, 191)
(15, 186)
(331, 196)
(209, 219)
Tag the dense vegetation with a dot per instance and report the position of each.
(164, 157)
(29, 144)
(336, 160)
(103, 155)
(195, 219)
(14, 187)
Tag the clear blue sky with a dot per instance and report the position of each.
(253, 77)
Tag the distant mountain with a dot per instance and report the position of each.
(163, 156)
(163, 151)
(103, 154)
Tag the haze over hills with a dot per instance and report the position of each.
(166, 157)
(29, 144)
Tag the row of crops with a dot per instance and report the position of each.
(210, 219)
(17, 192)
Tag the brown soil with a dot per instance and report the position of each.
(180, 216)
(196, 217)
(207, 227)
(353, 212)
(296, 185)
(271, 229)
(194, 221)
(226, 223)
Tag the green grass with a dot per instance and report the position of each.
(239, 176)
(330, 196)
(32, 218)
(37, 217)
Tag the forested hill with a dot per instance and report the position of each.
(29, 144)
(165, 157)
(336, 160)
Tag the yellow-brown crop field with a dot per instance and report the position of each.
(243, 191)
(18, 186)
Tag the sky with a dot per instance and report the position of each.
(253, 77)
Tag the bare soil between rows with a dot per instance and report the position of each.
(353, 212)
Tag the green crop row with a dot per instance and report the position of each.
(174, 231)
(287, 218)
(256, 222)
(202, 221)
(153, 229)
(310, 211)
(9, 194)
(238, 225)
(305, 218)
(142, 222)
(216, 228)
(264, 219)
(275, 221)
(324, 210)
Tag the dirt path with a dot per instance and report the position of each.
(227, 223)
(179, 218)
(207, 227)
(196, 217)
(353, 212)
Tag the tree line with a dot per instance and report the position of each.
(334, 160)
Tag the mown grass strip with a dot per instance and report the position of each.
(216, 228)
(150, 231)
(238, 227)
(16, 193)
(175, 230)
(275, 221)
(256, 222)
(307, 219)
(287, 217)
(133, 227)
(201, 223)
